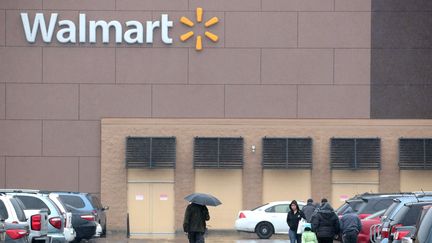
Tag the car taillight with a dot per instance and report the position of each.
(242, 216)
(16, 234)
(400, 234)
(393, 228)
(55, 222)
(88, 217)
(385, 233)
(36, 222)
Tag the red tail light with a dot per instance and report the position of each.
(242, 216)
(384, 233)
(36, 222)
(88, 217)
(56, 222)
(400, 234)
(16, 234)
(393, 228)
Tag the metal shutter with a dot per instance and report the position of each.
(218, 152)
(355, 153)
(415, 153)
(150, 152)
(295, 153)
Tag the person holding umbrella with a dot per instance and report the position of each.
(196, 215)
(194, 223)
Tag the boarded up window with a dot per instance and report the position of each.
(355, 153)
(288, 153)
(218, 152)
(150, 152)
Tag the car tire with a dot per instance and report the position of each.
(264, 230)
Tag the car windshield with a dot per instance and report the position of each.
(377, 205)
(390, 209)
(375, 215)
(342, 208)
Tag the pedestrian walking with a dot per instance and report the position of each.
(350, 226)
(325, 224)
(309, 209)
(318, 207)
(194, 223)
(308, 236)
(293, 218)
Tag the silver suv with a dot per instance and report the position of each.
(38, 201)
(17, 225)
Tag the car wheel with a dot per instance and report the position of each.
(264, 230)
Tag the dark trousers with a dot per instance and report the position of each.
(350, 237)
(294, 237)
(325, 240)
(196, 237)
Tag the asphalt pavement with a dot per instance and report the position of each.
(212, 237)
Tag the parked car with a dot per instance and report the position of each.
(364, 234)
(368, 203)
(87, 212)
(16, 225)
(33, 200)
(423, 232)
(265, 220)
(393, 215)
(68, 230)
(2, 229)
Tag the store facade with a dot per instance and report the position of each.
(79, 79)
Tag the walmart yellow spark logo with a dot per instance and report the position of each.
(208, 34)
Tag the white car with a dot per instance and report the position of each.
(265, 220)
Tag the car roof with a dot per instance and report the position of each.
(285, 202)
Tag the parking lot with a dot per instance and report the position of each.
(212, 237)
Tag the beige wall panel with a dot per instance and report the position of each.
(226, 185)
(150, 175)
(347, 183)
(414, 180)
(353, 176)
(341, 192)
(282, 185)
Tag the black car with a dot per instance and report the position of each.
(88, 207)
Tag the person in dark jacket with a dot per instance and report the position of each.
(350, 226)
(293, 218)
(194, 223)
(309, 209)
(325, 224)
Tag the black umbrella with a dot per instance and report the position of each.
(203, 199)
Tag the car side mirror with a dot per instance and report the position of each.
(2, 220)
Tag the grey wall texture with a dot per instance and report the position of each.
(401, 63)
(275, 59)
